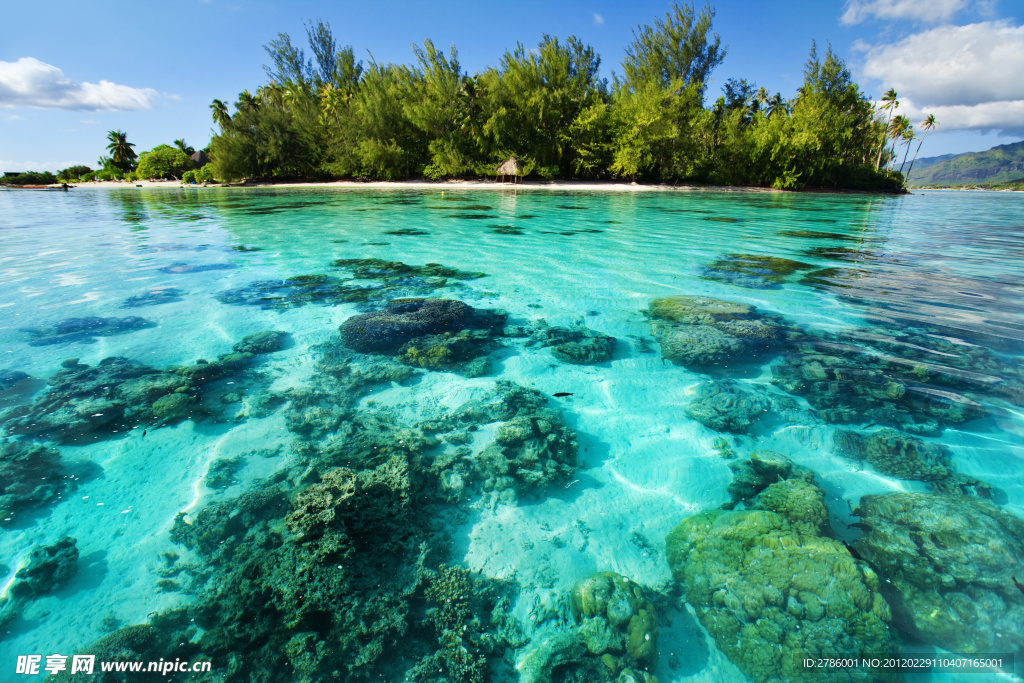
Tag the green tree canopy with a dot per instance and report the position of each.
(164, 161)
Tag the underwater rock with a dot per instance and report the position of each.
(114, 395)
(118, 394)
(47, 568)
(380, 269)
(951, 561)
(267, 341)
(349, 581)
(222, 471)
(752, 270)
(31, 475)
(771, 595)
(8, 378)
(578, 346)
(897, 455)
(298, 291)
(449, 351)
(761, 469)
(616, 617)
(529, 452)
(85, 329)
(725, 407)
(154, 297)
(849, 384)
(698, 331)
(404, 320)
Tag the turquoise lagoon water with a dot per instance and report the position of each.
(838, 393)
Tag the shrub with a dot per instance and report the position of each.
(188, 177)
(205, 174)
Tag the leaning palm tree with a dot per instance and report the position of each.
(908, 137)
(122, 156)
(220, 113)
(927, 125)
(184, 147)
(890, 103)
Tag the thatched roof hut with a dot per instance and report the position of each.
(509, 167)
(200, 159)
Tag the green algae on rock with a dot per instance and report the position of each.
(771, 595)
(699, 332)
(950, 560)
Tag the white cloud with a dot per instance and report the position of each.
(1006, 117)
(52, 166)
(931, 11)
(598, 19)
(29, 82)
(954, 64)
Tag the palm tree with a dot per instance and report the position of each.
(220, 113)
(776, 104)
(908, 137)
(122, 156)
(889, 102)
(896, 129)
(927, 125)
(184, 147)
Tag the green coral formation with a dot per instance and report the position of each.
(725, 407)
(771, 594)
(616, 619)
(281, 594)
(119, 394)
(468, 616)
(31, 475)
(950, 562)
(530, 452)
(897, 455)
(770, 481)
(700, 332)
(906, 457)
(459, 352)
(770, 586)
(752, 270)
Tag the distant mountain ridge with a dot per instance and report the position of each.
(1000, 164)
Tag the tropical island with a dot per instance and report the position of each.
(331, 117)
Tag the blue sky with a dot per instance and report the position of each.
(70, 71)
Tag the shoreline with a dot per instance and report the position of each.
(552, 185)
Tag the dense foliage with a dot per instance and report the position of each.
(28, 178)
(73, 173)
(329, 116)
(164, 161)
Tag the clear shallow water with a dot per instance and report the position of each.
(919, 296)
